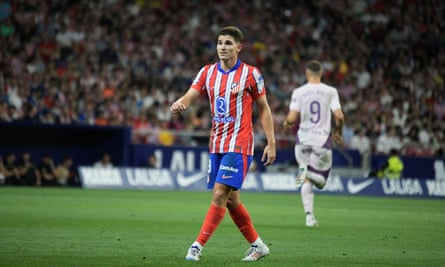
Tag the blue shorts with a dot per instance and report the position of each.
(228, 168)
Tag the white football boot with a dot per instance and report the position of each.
(194, 252)
(311, 221)
(256, 252)
(301, 175)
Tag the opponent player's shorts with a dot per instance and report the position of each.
(318, 161)
(228, 168)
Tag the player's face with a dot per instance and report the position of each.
(227, 48)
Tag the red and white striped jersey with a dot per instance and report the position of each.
(231, 95)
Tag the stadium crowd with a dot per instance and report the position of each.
(117, 62)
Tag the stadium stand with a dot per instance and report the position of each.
(116, 62)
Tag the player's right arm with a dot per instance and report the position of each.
(184, 101)
(292, 117)
(339, 118)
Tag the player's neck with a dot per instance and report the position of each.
(228, 64)
(313, 80)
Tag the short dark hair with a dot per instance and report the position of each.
(314, 66)
(233, 31)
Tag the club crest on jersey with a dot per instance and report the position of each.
(235, 88)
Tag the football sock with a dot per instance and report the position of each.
(307, 197)
(242, 219)
(197, 244)
(258, 242)
(211, 221)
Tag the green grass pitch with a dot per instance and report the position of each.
(76, 227)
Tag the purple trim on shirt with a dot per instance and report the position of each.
(297, 140)
(328, 143)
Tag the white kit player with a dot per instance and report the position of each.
(311, 107)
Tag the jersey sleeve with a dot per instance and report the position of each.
(294, 104)
(257, 85)
(200, 80)
(335, 103)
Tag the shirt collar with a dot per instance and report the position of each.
(238, 63)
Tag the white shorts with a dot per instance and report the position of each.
(318, 161)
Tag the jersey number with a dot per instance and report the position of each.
(315, 111)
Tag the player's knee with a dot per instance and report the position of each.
(320, 184)
(220, 198)
(319, 180)
(232, 203)
(229, 204)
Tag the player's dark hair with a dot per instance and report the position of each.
(233, 31)
(314, 66)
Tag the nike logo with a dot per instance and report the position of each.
(185, 181)
(226, 176)
(354, 188)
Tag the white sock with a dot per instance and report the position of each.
(196, 243)
(258, 241)
(307, 197)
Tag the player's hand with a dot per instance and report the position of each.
(177, 107)
(269, 155)
(287, 125)
(337, 138)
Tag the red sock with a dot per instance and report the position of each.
(241, 218)
(212, 219)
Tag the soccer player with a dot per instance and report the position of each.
(312, 106)
(232, 87)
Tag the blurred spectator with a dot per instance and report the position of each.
(5, 10)
(348, 134)
(391, 169)
(104, 162)
(2, 171)
(201, 126)
(387, 141)
(439, 153)
(29, 171)
(11, 170)
(145, 129)
(152, 161)
(360, 141)
(48, 171)
(166, 137)
(65, 175)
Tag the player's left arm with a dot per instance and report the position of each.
(265, 115)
